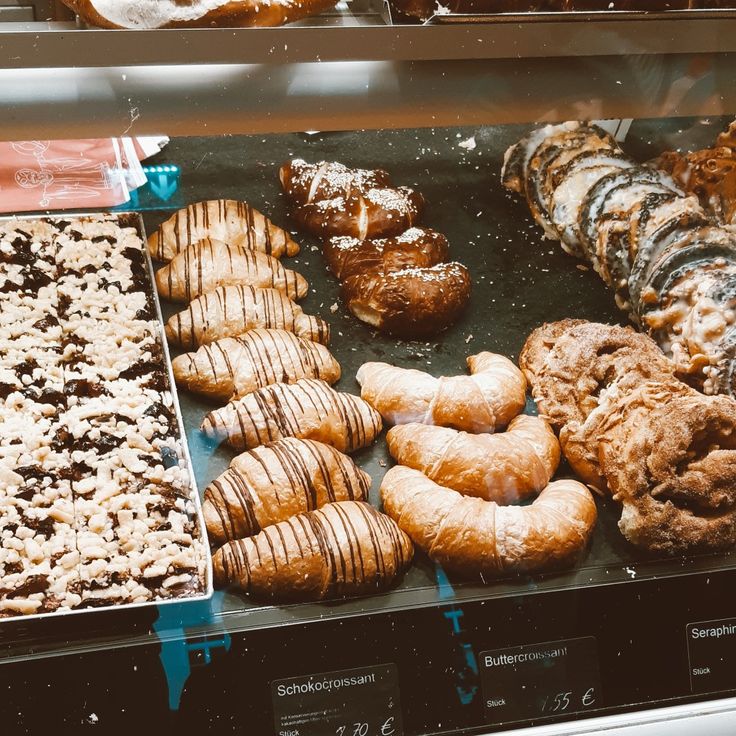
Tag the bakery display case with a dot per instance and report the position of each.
(394, 392)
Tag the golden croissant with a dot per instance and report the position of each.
(482, 402)
(235, 366)
(232, 222)
(309, 409)
(504, 467)
(470, 536)
(229, 311)
(208, 264)
(274, 482)
(343, 549)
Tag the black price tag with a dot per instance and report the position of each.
(358, 702)
(539, 680)
(711, 648)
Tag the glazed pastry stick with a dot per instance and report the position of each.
(274, 482)
(229, 311)
(343, 549)
(482, 402)
(308, 409)
(504, 467)
(232, 222)
(234, 366)
(208, 264)
(469, 536)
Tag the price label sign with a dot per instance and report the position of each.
(711, 649)
(358, 702)
(540, 680)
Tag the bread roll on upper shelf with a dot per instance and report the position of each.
(235, 366)
(487, 400)
(505, 467)
(274, 482)
(343, 549)
(470, 536)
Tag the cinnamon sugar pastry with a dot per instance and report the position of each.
(143, 14)
(417, 247)
(343, 549)
(487, 400)
(274, 482)
(308, 409)
(470, 536)
(411, 303)
(664, 451)
(235, 366)
(330, 199)
(232, 222)
(229, 311)
(505, 467)
(207, 264)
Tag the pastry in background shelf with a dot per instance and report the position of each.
(470, 536)
(235, 366)
(229, 311)
(144, 14)
(417, 247)
(343, 549)
(485, 401)
(307, 409)
(202, 267)
(664, 451)
(274, 482)
(232, 222)
(655, 245)
(329, 199)
(505, 467)
(411, 303)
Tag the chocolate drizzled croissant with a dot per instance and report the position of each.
(274, 482)
(229, 311)
(207, 264)
(235, 366)
(232, 222)
(308, 409)
(343, 549)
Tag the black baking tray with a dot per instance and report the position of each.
(519, 281)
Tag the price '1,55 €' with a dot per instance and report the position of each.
(560, 702)
(364, 729)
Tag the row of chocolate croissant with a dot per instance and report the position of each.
(290, 516)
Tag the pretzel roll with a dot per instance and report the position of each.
(331, 199)
(417, 247)
(412, 303)
(469, 536)
(482, 402)
(504, 467)
(670, 459)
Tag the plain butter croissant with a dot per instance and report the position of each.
(235, 366)
(504, 467)
(343, 549)
(470, 536)
(207, 264)
(309, 409)
(274, 482)
(482, 402)
(232, 310)
(232, 222)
